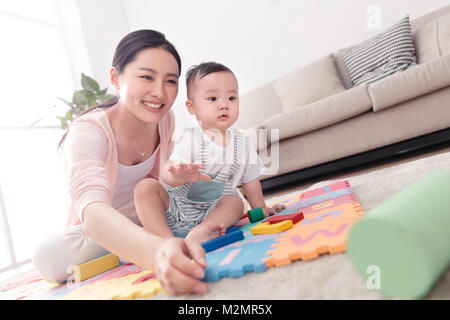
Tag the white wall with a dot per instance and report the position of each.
(260, 40)
(103, 24)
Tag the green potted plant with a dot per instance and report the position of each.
(83, 99)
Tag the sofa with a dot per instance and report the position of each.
(316, 120)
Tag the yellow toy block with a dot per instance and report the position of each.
(132, 286)
(266, 227)
(92, 268)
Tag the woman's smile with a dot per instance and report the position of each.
(152, 107)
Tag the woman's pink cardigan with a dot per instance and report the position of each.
(90, 160)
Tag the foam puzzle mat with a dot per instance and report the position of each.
(329, 212)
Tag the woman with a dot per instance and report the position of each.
(106, 152)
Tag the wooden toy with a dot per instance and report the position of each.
(295, 217)
(222, 241)
(266, 227)
(89, 269)
(255, 215)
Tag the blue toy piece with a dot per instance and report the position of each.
(222, 241)
(239, 258)
(232, 229)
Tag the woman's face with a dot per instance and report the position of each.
(148, 85)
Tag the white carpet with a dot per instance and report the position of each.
(331, 276)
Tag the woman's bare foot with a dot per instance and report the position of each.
(206, 231)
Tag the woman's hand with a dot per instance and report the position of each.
(179, 265)
(270, 211)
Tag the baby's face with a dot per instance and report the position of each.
(215, 100)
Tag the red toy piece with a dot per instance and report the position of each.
(295, 217)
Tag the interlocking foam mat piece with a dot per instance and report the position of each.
(329, 212)
(126, 281)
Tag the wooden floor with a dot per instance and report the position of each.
(302, 185)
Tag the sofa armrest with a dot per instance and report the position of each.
(322, 113)
(411, 83)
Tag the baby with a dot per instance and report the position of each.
(207, 164)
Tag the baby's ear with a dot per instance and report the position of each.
(190, 106)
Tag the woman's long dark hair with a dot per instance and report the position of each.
(126, 51)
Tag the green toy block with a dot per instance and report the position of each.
(405, 239)
(255, 215)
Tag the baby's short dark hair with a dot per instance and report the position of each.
(203, 69)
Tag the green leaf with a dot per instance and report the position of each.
(108, 96)
(89, 96)
(69, 116)
(88, 83)
(92, 101)
(79, 98)
(88, 93)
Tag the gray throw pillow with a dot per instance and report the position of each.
(382, 55)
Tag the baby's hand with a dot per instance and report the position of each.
(278, 207)
(188, 172)
(270, 211)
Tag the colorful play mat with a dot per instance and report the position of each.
(328, 212)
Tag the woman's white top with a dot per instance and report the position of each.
(128, 177)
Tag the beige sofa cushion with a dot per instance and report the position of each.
(319, 114)
(444, 34)
(308, 84)
(365, 132)
(425, 40)
(427, 18)
(432, 39)
(409, 84)
(257, 105)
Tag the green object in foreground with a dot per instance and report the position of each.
(405, 241)
(255, 215)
